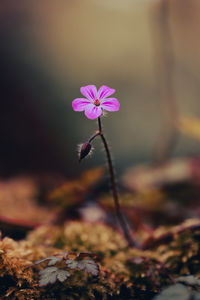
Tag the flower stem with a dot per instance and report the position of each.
(119, 214)
(93, 136)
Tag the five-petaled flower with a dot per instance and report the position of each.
(95, 101)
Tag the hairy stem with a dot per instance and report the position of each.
(119, 214)
(93, 136)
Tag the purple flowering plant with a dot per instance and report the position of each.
(94, 105)
(95, 101)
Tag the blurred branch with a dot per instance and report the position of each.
(164, 65)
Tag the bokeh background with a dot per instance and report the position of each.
(48, 49)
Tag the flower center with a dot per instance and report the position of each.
(96, 102)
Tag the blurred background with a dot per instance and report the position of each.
(149, 52)
(146, 50)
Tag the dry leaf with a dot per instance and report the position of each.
(189, 126)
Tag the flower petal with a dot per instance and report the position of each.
(89, 91)
(79, 104)
(110, 104)
(92, 111)
(104, 92)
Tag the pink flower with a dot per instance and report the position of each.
(95, 101)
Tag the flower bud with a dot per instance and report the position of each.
(84, 150)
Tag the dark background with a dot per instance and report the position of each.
(48, 49)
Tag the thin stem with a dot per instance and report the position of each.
(120, 217)
(165, 67)
(93, 136)
(99, 124)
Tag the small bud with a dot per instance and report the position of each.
(84, 150)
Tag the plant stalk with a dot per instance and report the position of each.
(93, 136)
(119, 214)
(165, 69)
